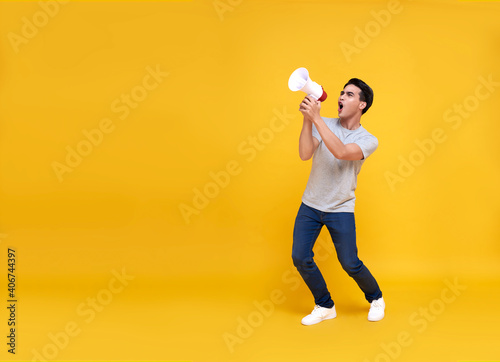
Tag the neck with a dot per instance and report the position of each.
(351, 123)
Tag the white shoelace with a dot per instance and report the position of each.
(318, 310)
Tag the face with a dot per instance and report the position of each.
(349, 102)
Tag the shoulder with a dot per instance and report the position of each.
(367, 135)
(367, 142)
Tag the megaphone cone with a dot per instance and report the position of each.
(300, 81)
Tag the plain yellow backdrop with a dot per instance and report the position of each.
(160, 138)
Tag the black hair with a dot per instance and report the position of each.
(366, 94)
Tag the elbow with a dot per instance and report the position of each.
(339, 155)
(346, 156)
(304, 156)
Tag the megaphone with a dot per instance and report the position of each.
(300, 81)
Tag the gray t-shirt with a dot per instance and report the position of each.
(332, 182)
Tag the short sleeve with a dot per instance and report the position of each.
(368, 145)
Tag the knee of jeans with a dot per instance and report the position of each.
(301, 261)
(352, 267)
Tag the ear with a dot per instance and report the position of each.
(362, 105)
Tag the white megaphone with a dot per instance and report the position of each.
(300, 81)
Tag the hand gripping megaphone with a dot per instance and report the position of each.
(300, 81)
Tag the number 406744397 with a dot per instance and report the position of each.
(11, 263)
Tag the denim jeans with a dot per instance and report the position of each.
(342, 228)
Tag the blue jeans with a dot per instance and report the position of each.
(342, 228)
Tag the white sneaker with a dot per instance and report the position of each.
(319, 314)
(376, 312)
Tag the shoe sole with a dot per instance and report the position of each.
(376, 320)
(324, 319)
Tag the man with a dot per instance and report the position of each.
(340, 146)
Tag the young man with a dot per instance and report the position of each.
(340, 146)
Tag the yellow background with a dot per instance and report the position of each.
(197, 277)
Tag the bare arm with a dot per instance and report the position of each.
(307, 143)
(341, 151)
(310, 109)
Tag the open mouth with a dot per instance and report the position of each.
(340, 106)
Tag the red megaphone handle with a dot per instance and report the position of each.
(323, 96)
